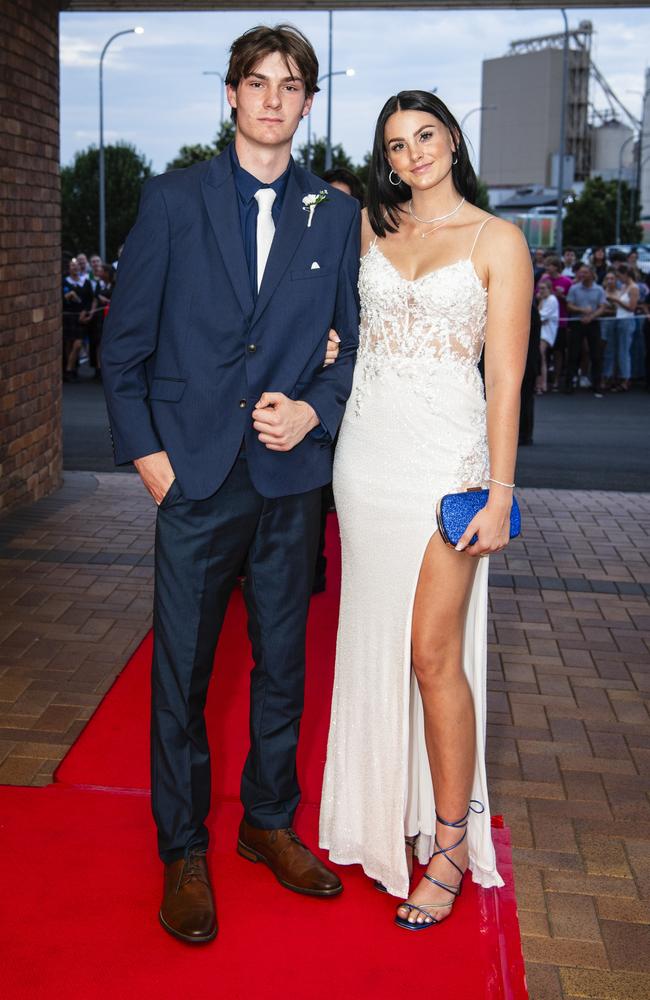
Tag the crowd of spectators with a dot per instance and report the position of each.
(594, 321)
(86, 288)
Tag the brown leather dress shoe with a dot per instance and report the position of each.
(188, 910)
(293, 864)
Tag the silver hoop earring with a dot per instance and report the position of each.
(454, 162)
(394, 183)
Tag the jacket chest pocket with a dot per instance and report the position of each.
(305, 273)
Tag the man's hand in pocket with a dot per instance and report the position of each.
(156, 473)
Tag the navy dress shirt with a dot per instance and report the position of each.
(246, 186)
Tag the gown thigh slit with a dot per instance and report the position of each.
(414, 429)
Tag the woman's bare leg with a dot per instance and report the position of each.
(439, 612)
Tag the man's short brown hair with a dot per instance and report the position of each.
(256, 43)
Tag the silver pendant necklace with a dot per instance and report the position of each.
(438, 218)
(435, 229)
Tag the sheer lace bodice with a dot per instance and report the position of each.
(414, 327)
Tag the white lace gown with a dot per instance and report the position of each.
(414, 429)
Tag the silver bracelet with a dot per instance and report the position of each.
(509, 486)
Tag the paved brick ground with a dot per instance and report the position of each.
(76, 579)
(569, 685)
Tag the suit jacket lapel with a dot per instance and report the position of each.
(220, 197)
(290, 231)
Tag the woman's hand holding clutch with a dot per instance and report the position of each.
(491, 524)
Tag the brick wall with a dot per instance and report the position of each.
(30, 269)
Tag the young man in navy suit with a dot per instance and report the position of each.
(230, 281)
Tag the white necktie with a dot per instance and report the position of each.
(265, 229)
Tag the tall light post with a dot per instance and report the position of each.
(215, 72)
(328, 148)
(484, 107)
(102, 169)
(560, 166)
(325, 76)
(617, 238)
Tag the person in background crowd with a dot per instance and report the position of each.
(347, 182)
(84, 267)
(598, 262)
(539, 265)
(632, 261)
(531, 374)
(610, 286)
(549, 314)
(96, 266)
(561, 285)
(97, 319)
(569, 261)
(103, 285)
(587, 300)
(617, 257)
(620, 333)
(78, 304)
(646, 338)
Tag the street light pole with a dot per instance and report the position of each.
(325, 76)
(560, 166)
(484, 107)
(102, 169)
(214, 72)
(328, 148)
(617, 238)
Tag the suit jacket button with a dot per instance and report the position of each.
(242, 404)
(252, 348)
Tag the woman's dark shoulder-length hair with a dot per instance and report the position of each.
(383, 197)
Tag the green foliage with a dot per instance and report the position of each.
(363, 170)
(188, 155)
(591, 218)
(126, 170)
(318, 149)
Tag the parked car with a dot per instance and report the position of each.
(642, 249)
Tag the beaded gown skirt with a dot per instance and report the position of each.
(414, 430)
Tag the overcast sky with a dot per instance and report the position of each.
(156, 97)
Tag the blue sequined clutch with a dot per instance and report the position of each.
(454, 512)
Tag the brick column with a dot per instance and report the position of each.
(30, 252)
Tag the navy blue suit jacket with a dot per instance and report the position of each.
(187, 352)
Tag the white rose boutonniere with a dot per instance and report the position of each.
(310, 203)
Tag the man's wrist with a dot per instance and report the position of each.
(312, 416)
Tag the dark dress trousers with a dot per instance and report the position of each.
(188, 348)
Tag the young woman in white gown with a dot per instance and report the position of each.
(405, 763)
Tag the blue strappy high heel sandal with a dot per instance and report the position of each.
(410, 842)
(453, 890)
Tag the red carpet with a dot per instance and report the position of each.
(81, 880)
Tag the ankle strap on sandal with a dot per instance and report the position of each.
(458, 824)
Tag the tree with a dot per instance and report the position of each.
(318, 152)
(126, 170)
(591, 218)
(188, 155)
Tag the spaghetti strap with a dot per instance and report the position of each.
(480, 229)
